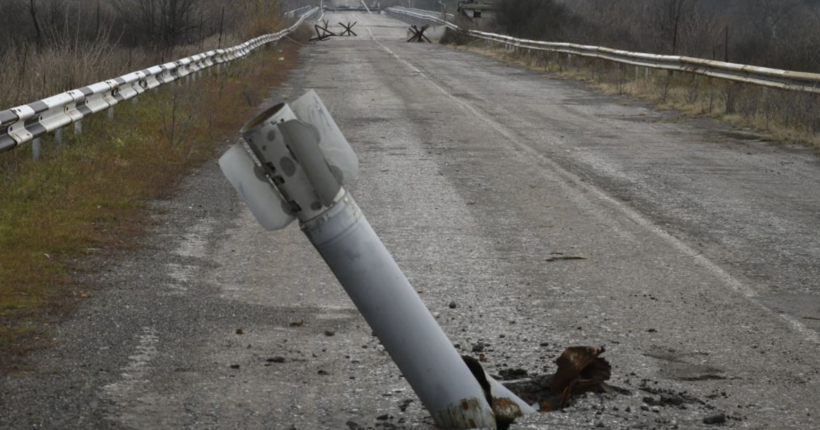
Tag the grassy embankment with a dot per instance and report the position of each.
(778, 115)
(90, 195)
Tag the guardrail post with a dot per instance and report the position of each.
(58, 136)
(646, 72)
(78, 128)
(134, 100)
(111, 113)
(35, 148)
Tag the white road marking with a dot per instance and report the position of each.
(135, 372)
(196, 240)
(632, 214)
(181, 274)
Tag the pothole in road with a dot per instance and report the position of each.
(580, 370)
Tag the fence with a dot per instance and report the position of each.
(30, 122)
(298, 12)
(775, 78)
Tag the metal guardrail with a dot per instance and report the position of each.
(29, 122)
(764, 76)
(426, 12)
(298, 11)
(345, 9)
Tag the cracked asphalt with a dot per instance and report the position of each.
(700, 275)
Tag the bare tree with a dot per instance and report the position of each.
(767, 16)
(668, 19)
(162, 23)
(36, 21)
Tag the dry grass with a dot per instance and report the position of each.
(29, 74)
(782, 116)
(90, 195)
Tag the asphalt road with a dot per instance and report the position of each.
(700, 278)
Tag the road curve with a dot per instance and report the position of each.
(700, 274)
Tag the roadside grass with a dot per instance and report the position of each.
(778, 115)
(89, 196)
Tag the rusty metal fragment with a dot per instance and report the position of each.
(559, 256)
(581, 369)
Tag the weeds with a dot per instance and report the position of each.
(786, 116)
(180, 115)
(29, 74)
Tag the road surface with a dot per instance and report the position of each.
(701, 272)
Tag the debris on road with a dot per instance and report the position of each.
(715, 419)
(559, 256)
(240, 331)
(580, 370)
(296, 323)
(329, 333)
(276, 359)
(512, 374)
(404, 404)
